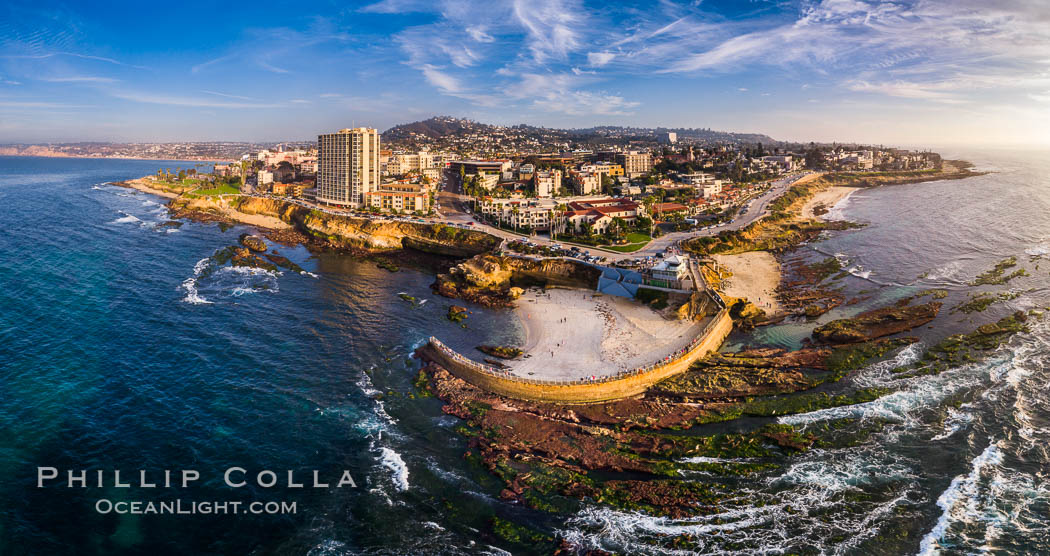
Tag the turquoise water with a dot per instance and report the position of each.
(107, 363)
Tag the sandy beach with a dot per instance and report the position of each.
(756, 275)
(574, 333)
(828, 197)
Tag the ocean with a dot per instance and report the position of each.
(120, 348)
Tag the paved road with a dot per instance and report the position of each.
(454, 207)
(758, 208)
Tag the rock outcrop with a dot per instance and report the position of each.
(348, 232)
(255, 243)
(876, 323)
(497, 281)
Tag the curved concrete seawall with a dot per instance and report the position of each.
(579, 391)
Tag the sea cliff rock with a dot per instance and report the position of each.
(347, 232)
(496, 281)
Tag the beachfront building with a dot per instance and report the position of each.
(289, 189)
(672, 272)
(520, 213)
(347, 166)
(598, 213)
(400, 197)
(547, 183)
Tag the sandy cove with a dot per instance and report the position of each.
(574, 333)
(827, 198)
(756, 275)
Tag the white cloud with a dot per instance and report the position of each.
(227, 95)
(149, 98)
(584, 103)
(80, 79)
(599, 59)
(477, 32)
(441, 80)
(553, 26)
(1044, 97)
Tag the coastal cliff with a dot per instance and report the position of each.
(344, 232)
(497, 280)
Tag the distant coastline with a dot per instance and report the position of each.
(4, 151)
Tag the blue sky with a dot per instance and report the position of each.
(908, 72)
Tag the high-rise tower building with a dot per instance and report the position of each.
(347, 166)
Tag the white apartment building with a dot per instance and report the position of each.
(535, 214)
(347, 166)
(548, 183)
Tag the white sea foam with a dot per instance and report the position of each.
(948, 274)
(960, 500)
(956, 420)
(838, 210)
(329, 547)
(399, 471)
(189, 285)
(126, 219)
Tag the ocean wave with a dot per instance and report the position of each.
(950, 274)
(838, 210)
(959, 501)
(829, 473)
(956, 420)
(399, 471)
(189, 285)
(126, 219)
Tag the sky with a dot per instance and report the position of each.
(909, 72)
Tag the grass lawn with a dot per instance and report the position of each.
(637, 241)
(629, 248)
(221, 190)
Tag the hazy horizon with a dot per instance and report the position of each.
(918, 72)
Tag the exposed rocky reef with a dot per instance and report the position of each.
(877, 323)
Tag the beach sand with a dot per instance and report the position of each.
(592, 335)
(828, 197)
(756, 275)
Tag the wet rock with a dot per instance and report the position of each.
(255, 243)
(876, 323)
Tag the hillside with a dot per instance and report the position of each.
(445, 131)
